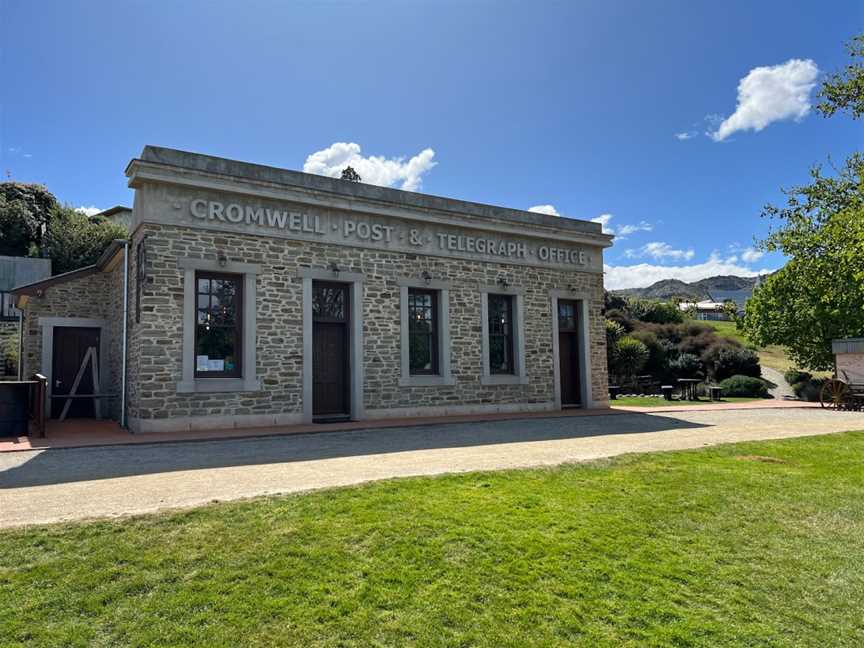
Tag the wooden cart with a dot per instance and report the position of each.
(842, 394)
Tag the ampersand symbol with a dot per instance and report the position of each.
(414, 237)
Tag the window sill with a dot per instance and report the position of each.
(426, 381)
(503, 379)
(218, 385)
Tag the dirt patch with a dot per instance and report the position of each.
(760, 458)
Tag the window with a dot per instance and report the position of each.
(566, 316)
(501, 334)
(218, 325)
(422, 332)
(7, 307)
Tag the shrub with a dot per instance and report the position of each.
(686, 365)
(614, 332)
(620, 316)
(726, 361)
(695, 328)
(698, 344)
(630, 357)
(658, 312)
(810, 389)
(796, 376)
(744, 386)
(657, 362)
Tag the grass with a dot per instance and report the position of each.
(740, 545)
(659, 401)
(772, 356)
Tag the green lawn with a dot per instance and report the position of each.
(741, 545)
(659, 401)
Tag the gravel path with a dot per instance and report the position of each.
(782, 387)
(54, 485)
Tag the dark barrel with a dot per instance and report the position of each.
(14, 409)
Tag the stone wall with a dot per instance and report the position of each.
(94, 296)
(8, 350)
(155, 352)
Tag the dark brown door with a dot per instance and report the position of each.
(568, 353)
(70, 348)
(330, 350)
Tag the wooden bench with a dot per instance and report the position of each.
(715, 392)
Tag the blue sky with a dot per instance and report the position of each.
(599, 109)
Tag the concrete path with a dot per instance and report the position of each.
(67, 484)
(781, 387)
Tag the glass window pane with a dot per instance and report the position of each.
(204, 286)
(215, 350)
(420, 352)
(566, 316)
(328, 302)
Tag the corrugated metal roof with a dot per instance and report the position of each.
(15, 271)
(849, 345)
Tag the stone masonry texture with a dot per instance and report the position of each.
(155, 343)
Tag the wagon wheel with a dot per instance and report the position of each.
(834, 394)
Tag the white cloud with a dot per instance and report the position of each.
(544, 209)
(604, 219)
(770, 94)
(89, 211)
(641, 226)
(685, 135)
(377, 170)
(645, 274)
(751, 255)
(659, 250)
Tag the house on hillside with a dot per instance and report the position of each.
(713, 308)
(707, 309)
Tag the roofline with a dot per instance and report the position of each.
(38, 287)
(262, 174)
(114, 210)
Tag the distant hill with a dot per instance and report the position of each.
(719, 288)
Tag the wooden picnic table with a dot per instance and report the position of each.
(688, 388)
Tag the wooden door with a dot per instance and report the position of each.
(330, 350)
(70, 348)
(568, 353)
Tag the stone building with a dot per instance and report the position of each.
(15, 271)
(259, 296)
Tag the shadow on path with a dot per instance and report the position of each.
(66, 465)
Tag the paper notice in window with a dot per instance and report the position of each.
(202, 362)
(216, 365)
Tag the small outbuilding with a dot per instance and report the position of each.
(849, 359)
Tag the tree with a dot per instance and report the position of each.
(348, 173)
(74, 240)
(846, 91)
(819, 294)
(25, 210)
(630, 357)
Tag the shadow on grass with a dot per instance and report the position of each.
(58, 466)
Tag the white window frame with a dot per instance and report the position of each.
(520, 373)
(249, 381)
(444, 375)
